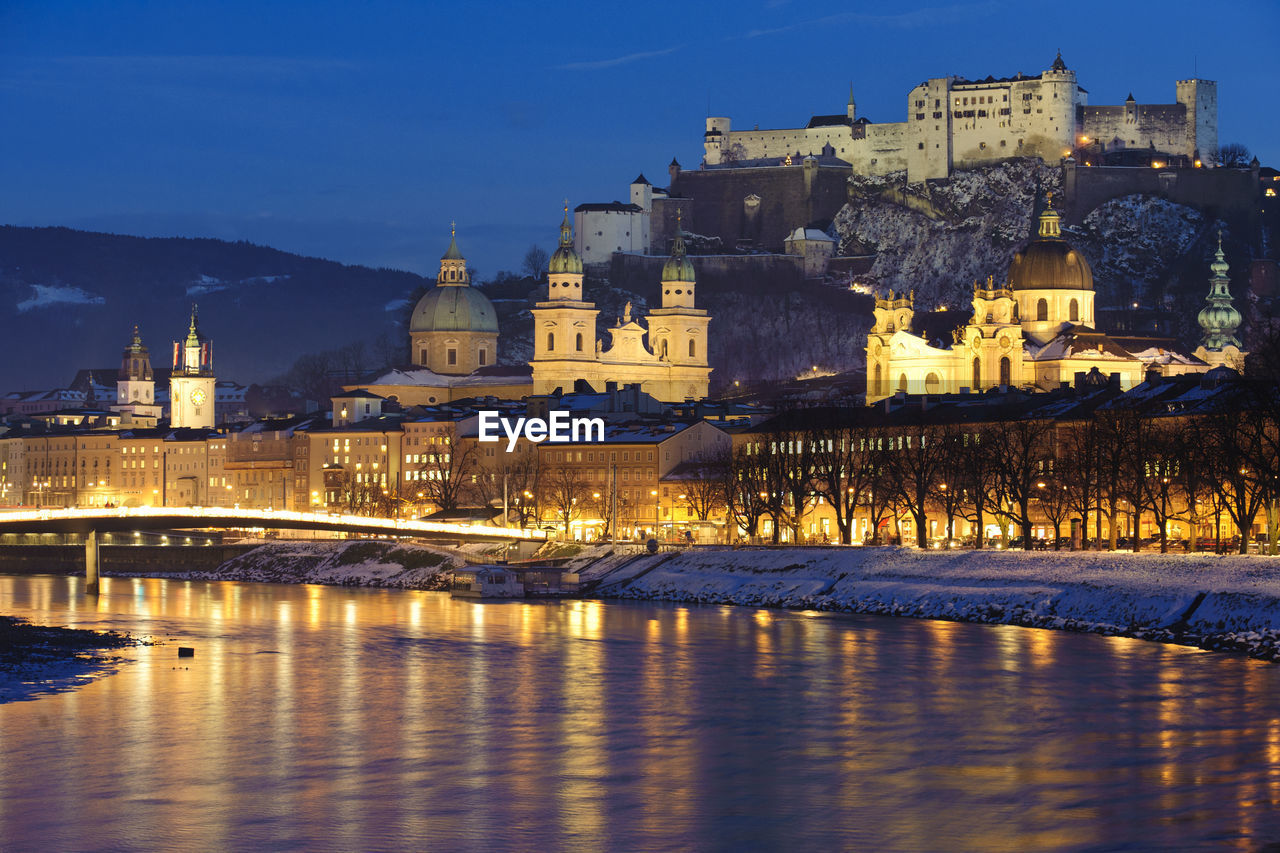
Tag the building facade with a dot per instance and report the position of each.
(671, 364)
(1035, 332)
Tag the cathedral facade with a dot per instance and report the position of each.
(1037, 332)
(667, 357)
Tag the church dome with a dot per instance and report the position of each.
(1049, 262)
(454, 309)
(678, 267)
(565, 260)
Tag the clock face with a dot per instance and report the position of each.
(197, 396)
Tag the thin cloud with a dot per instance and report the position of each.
(617, 60)
(928, 17)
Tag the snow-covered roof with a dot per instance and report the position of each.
(810, 234)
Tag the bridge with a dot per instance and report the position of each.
(91, 522)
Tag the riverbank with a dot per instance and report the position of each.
(1224, 603)
(38, 659)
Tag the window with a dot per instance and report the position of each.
(551, 341)
(1074, 311)
(452, 357)
(902, 383)
(484, 357)
(1042, 310)
(693, 349)
(977, 373)
(578, 342)
(1005, 371)
(932, 384)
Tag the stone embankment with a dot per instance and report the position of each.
(1229, 603)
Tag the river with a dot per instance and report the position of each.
(315, 718)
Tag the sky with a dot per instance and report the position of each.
(359, 131)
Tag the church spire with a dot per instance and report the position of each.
(1050, 222)
(1219, 319)
(453, 267)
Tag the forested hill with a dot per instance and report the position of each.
(71, 299)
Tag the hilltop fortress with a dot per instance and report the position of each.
(954, 123)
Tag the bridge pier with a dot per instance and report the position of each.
(91, 563)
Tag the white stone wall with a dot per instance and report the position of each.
(600, 233)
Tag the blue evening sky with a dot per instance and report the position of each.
(357, 131)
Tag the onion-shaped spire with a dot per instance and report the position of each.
(1219, 319)
(678, 267)
(565, 259)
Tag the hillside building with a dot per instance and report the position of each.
(955, 123)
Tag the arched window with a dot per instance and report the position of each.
(693, 349)
(483, 357)
(578, 342)
(1042, 310)
(551, 341)
(902, 382)
(977, 374)
(932, 384)
(1005, 371)
(878, 387)
(1074, 310)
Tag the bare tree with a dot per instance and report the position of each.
(1020, 461)
(744, 484)
(535, 261)
(448, 473)
(566, 495)
(914, 470)
(1233, 155)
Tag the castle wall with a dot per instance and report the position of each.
(713, 202)
(1223, 192)
(1162, 126)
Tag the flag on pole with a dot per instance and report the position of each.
(177, 349)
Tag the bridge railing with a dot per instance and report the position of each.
(274, 518)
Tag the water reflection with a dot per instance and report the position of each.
(316, 717)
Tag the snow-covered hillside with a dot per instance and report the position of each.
(938, 238)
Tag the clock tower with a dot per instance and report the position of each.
(191, 384)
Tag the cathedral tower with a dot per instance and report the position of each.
(191, 384)
(564, 326)
(678, 330)
(135, 384)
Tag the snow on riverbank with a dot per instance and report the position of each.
(359, 563)
(1220, 602)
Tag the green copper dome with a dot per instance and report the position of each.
(565, 260)
(1219, 319)
(454, 309)
(678, 266)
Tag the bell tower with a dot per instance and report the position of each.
(564, 326)
(135, 383)
(678, 330)
(191, 383)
